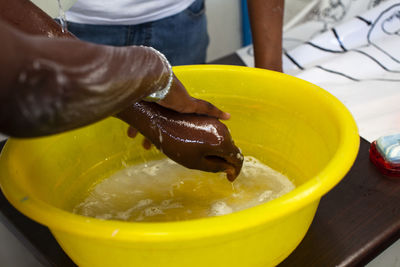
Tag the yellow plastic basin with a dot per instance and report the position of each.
(293, 126)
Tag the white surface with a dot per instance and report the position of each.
(124, 12)
(389, 258)
(224, 27)
(13, 253)
(351, 49)
(225, 24)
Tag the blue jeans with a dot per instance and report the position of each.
(182, 38)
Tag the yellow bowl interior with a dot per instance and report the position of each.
(289, 124)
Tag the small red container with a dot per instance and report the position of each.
(384, 164)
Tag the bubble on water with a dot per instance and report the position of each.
(106, 216)
(162, 190)
(152, 211)
(236, 195)
(166, 202)
(151, 171)
(124, 216)
(264, 196)
(144, 202)
(220, 208)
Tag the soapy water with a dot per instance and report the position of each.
(162, 190)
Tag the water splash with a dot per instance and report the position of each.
(162, 190)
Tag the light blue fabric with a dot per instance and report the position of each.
(389, 147)
(182, 38)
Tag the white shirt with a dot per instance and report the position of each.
(124, 12)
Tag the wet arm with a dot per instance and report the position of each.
(53, 85)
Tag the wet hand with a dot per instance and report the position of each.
(178, 99)
(202, 143)
(132, 132)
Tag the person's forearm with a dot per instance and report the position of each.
(266, 19)
(50, 85)
(53, 85)
(30, 19)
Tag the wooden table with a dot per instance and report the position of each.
(354, 222)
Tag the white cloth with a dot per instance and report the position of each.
(124, 12)
(351, 49)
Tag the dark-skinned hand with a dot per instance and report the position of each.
(178, 99)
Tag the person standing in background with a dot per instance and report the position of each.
(177, 28)
(266, 21)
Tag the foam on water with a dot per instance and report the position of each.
(165, 191)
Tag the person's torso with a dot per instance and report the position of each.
(124, 12)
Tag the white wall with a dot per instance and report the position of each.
(225, 24)
(224, 27)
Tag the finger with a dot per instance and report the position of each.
(132, 132)
(146, 144)
(206, 108)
